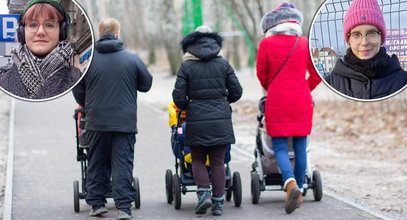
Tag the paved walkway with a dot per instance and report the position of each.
(45, 168)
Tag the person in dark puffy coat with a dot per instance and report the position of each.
(281, 65)
(206, 85)
(42, 65)
(366, 72)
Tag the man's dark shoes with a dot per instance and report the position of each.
(98, 210)
(124, 215)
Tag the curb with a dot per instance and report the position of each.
(8, 192)
(365, 209)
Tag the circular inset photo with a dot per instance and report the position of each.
(359, 47)
(45, 48)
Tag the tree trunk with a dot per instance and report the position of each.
(171, 35)
(236, 57)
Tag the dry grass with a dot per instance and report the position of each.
(360, 149)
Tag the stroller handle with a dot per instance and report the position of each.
(179, 116)
(77, 111)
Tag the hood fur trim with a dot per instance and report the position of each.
(190, 39)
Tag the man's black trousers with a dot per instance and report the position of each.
(111, 154)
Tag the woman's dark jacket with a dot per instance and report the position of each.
(204, 88)
(58, 83)
(108, 91)
(389, 79)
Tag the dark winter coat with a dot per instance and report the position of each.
(60, 82)
(357, 85)
(289, 108)
(108, 91)
(205, 87)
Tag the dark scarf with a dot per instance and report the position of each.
(374, 67)
(35, 71)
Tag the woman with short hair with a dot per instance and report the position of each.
(43, 61)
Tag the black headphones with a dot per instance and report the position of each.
(64, 25)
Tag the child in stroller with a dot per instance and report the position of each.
(265, 174)
(82, 148)
(177, 183)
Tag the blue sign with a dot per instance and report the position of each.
(85, 56)
(320, 67)
(8, 26)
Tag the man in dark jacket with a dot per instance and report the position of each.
(206, 85)
(108, 93)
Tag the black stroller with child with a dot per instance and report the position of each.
(265, 174)
(82, 147)
(178, 183)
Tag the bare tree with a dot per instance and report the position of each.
(170, 34)
(242, 11)
(153, 29)
(152, 25)
(133, 21)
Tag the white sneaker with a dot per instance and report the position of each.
(123, 215)
(99, 211)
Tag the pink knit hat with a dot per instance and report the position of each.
(364, 12)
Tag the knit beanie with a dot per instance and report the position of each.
(54, 4)
(286, 12)
(364, 12)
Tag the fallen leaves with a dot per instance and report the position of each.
(360, 149)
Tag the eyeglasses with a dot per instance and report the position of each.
(48, 25)
(372, 37)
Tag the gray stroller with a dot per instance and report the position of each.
(265, 174)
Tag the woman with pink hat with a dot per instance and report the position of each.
(366, 71)
(282, 63)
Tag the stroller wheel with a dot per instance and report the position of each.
(228, 186)
(304, 193)
(76, 195)
(317, 185)
(168, 186)
(255, 188)
(237, 189)
(228, 194)
(136, 186)
(176, 189)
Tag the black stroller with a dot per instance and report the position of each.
(265, 174)
(183, 177)
(82, 147)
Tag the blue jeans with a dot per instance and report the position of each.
(280, 147)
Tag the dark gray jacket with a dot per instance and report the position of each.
(108, 91)
(357, 85)
(58, 83)
(204, 88)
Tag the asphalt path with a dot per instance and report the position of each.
(45, 167)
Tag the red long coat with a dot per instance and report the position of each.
(289, 106)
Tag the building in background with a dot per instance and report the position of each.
(324, 59)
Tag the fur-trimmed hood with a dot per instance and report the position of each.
(202, 45)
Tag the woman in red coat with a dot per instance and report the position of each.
(282, 62)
